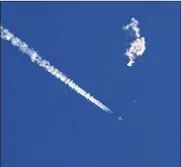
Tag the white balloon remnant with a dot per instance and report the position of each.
(138, 46)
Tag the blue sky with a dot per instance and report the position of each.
(45, 123)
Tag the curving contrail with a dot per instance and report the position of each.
(138, 46)
(23, 47)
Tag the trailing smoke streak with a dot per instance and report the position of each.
(23, 47)
(138, 46)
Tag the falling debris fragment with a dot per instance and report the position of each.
(138, 46)
(120, 118)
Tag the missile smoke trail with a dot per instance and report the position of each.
(23, 47)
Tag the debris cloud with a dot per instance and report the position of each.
(138, 46)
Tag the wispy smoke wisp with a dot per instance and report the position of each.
(23, 47)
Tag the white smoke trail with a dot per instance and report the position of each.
(138, 46)
(23, 47)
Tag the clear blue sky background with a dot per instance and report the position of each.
(46, 124)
